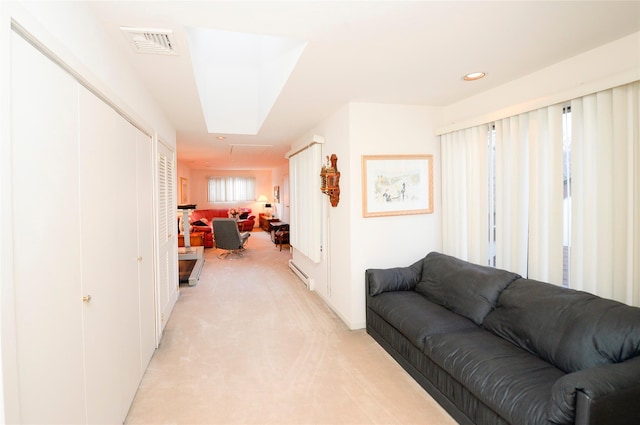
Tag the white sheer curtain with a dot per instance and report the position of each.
(545, 195)
(306, 202)
(605, 256)
(529, 190)
(465, 194)
(512, 193)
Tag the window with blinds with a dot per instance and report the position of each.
(231, 189)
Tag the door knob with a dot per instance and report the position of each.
(86, 298)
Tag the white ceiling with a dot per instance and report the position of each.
(397, 52)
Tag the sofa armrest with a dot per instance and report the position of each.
(393, 279)
(204, 229)
(601, 395)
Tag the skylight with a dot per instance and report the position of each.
(240, 76)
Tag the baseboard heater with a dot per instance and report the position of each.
(301, 275)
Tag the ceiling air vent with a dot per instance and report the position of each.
(151, 41)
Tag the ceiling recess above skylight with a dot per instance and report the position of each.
(240, 76)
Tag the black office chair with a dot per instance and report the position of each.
(228, 237)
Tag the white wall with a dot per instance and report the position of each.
(353, 243)
(183, 172)
(391, 241)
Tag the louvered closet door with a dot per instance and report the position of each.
(46, 241)
(168, 285)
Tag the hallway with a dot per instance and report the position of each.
(251, 345)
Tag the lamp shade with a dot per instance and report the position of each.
(262, 198)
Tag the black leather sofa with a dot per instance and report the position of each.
(494, 348)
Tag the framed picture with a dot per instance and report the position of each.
(397, 185)
(184, 190)
(276, 194)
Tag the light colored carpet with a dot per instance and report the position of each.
(250, 344)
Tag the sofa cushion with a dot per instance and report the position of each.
(571, 329)
(465, 288)
(416, 317)
(393, 279)
(512, 382)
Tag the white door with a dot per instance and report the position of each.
(46, 241)
(109, 257)
(146, 264)
(167, 239)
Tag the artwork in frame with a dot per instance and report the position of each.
(276, 194)
(397, 185)
(184, 190)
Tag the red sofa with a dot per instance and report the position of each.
(244, 224)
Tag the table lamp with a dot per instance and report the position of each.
(264, 201)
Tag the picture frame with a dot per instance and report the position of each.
(184, 190)
(276, 194)
(397, 185)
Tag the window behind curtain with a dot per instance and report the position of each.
(231, 189)
(566, 195)
(563, 191)
(528, 185)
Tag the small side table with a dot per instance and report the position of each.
(265, 222)
(279, 233)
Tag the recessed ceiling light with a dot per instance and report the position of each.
(220, 137)
(474, 76)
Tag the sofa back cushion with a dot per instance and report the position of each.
(209, 214)
(465, 288)
(212, 213)
(572, 330)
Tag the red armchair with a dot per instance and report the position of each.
(244, 224)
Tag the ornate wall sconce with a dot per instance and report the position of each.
(330, 176)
